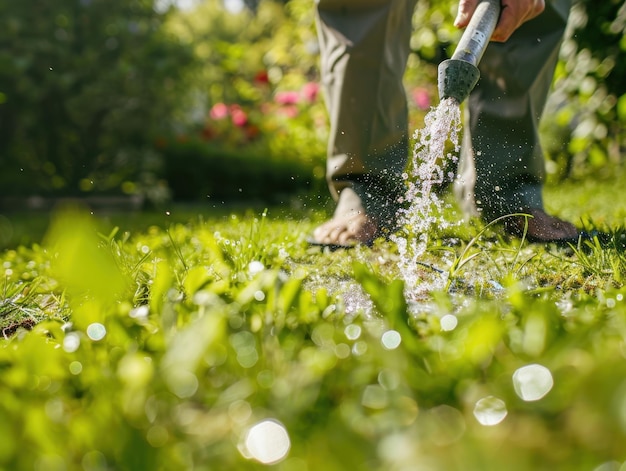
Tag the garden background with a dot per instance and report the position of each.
(211, 103)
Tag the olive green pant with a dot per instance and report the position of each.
(364, 46)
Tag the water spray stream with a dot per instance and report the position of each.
(457, 78)
(424, 207)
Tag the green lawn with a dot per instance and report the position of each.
(206, 339)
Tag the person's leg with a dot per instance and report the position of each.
(502, 166)
(364, 47)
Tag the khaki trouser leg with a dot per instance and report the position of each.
(502, 166)
(364, 49)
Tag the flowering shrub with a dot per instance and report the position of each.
(279, 140)
(257, 95)
(234, 124)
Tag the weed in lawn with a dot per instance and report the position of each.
(506, 267)
(598, 258)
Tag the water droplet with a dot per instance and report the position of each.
(182, 383)
(388, 379)
(391, 339)
(352, 331)
(496, 286)
(532, 382)
(96, 331)
(267, 442)
(359, 348)
(342, 351)
(140, 312)
(76, 367)
(490, 411)
(448, 322)
(259, 295)
(374, 397)
(255, 267)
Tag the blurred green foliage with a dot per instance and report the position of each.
(585, 118)
(109, 94)
(85, 87)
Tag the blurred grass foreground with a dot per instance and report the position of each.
(227, 344)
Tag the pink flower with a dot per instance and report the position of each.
(421, 98)
(287, 98)
(238, 117)
(218, 111)
(290, 111)
(309, 91)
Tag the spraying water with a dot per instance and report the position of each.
(424, 207)
(457, 78)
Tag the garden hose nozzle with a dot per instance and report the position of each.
(458, 75)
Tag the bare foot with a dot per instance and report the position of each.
(542, 227)
(347, 230)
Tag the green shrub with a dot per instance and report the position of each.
(584, 125)
(83, 88)
(198, 170)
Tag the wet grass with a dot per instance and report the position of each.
(200, 338)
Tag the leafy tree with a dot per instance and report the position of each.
(83, 87)
(584, 125)
(602, 34)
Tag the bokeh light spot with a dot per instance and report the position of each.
(267, 442)
(71, 342)
(255, 267)
(391, 339)
(448, 322)
(183, 383)
(96, 331)
(532, 382)
(76, 367)
(352, 331)
(490, 411)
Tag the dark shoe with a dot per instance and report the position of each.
(541, 228)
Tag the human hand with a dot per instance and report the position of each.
(514, 14)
